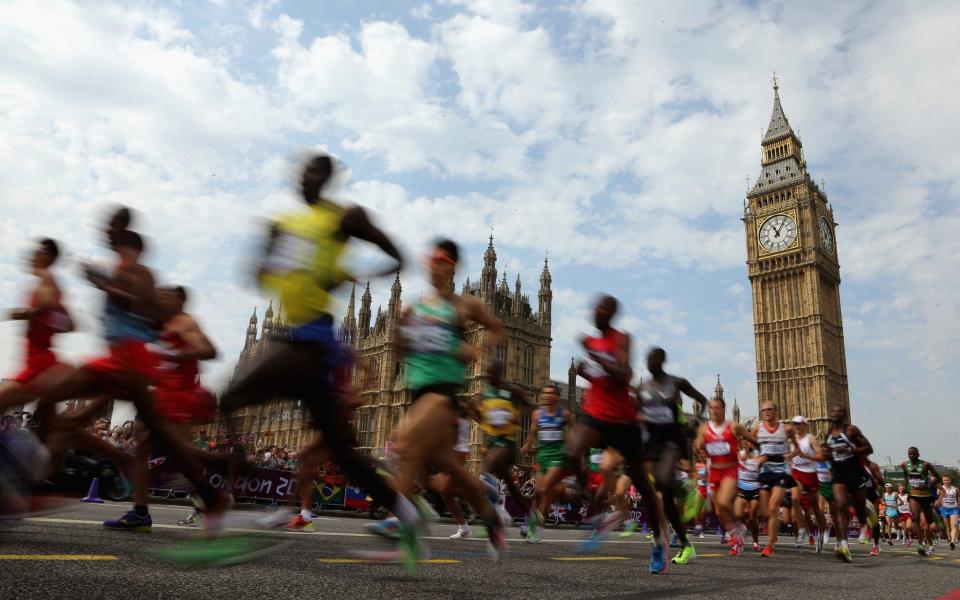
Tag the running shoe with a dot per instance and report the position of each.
(756, 547)
(298, 523)
(523, 527)
(686, 554)
(649, 536)
(192, 520)
(497, 539)
(411, 546)
(811, 541)
(872, 517)
(276, 519)
(599, 527)
(462, 533)
(388, 528)
(875, 551)
(131, 522)
(767, 552)
(657, 562)
(889, 542)
(692, 502)
(953, 545)
(821, 540)
(930, 549)
(921, 550)
(700, 535)
(843, 553)
(534, 520)
(629, 528)
(736, 546)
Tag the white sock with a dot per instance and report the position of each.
(306, 515)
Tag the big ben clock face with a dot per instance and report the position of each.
(777, 233)
(826, 236)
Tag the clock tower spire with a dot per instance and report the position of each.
(794, 271)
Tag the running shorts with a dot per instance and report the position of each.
(495, 441)
(924, 501)
(748, 495)
(949, 512)
(626, 438)
(197, 405)
(849, 473)
(871, 494)
(657, 439)
(826, 491)
(594, 481)
(807, 481)
(769, 481)
(37, 363)
(551, 455)
(450, 390)
(126, 356)
(904, 517)
(717, 476)
(891, 513)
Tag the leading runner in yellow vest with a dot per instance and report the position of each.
(302, 265)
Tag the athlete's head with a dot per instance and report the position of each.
(129, 245)
(118, 220)
(172, 299)
(800, 424)
(316, 173)
(604, 311)
(549, 395)
(442, 263)
(768, 411)
(838, 414)
(947, 480)
(494, 372)
(718, 410)
(656, 358)
(901, 489)
(45, 254)
(913, 454)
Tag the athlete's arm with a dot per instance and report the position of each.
(698, 448)
(862, 446)
(692, 392)
(933, 471)
(750, 436)
(532, 433)
(198, 345)
(818, 453)
(45, 297)
(356, 223)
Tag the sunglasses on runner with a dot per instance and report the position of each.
(438, 258)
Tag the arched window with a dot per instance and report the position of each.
(528, 366)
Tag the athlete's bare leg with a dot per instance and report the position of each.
(581, 439)
(770, 501)
(499, 462)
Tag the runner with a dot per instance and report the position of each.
(718, 441)
(548, 429)
(436, 354)
(130, 323)
(905, 517)
(825, 479)
(748, 489)
(874, 482)
(178, 396)
(847, 447)
(665, 442)
(500, 410)
(947, 503)
(804, 472)
(918, 475)
(443, 485)
(772, 437)
(890, 511)
(301, 263)
(610, 420)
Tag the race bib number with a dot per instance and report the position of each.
(718, 448)
(773, 448)
(550, 435)
(659, 414)
(499, 417)
(592, 369)
(916, 482)
(426, 336)
(289, 253)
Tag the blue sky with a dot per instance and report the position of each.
(613, 135)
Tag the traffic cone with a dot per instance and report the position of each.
(93, 494)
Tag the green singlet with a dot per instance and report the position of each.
(434, 339)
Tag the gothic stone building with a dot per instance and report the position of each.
(524, 351)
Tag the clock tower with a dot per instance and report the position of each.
(795, 278)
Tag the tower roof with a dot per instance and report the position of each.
(253, 317)
(718, 390)
(779, 126)
(269, 313)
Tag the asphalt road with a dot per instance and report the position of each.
(70, 555)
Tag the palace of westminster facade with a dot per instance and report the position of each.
(794, 271)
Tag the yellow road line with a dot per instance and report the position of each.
(588, 558)
(366, 561)
(710, 555)
(57, 557)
